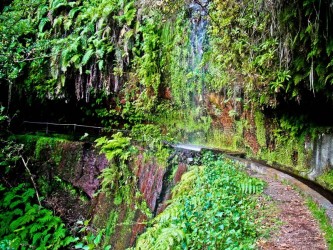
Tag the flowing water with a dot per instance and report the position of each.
(198, 45)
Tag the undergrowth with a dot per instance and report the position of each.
(213, 207)
(25, 225)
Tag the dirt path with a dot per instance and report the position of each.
(299, 230)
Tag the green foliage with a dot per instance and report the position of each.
(2, 116)
(49, 40)
(151, 137)
(49, 143)
(181, 83)
(91, 239)
(116, 147)
(40, 144)
(326, 179)
(251, 186)
(117, 178)
(184, 124)
(249, 53)
(260, 129)
(9, 154)
(25, 225)
(209, 209)
(148, 65)
(274, 50)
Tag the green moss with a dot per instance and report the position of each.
(288, 152)
(326, 179)
(217, 138)
(260, 128)
(126, 229)
(238, 138)
(49, 143)
(110, 227)
(38, 144)
(230, 141)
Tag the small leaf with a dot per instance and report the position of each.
(87, 56)
(79, 245)
(98, 238)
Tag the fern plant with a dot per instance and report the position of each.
(117, 179)
(25, 225)
(213, 207)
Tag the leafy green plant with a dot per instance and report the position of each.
(251, 186)
(151, 137)
(115, 148)
(91, 239)
(2, 116)
(326, 179)
(209, 210)
(117, 178)
(25, 225)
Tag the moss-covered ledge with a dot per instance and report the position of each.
(77, 163)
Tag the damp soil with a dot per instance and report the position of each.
(297, 229)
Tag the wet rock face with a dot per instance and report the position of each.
(322, 155)
(155, 182)
(81, 165)
(150, 181)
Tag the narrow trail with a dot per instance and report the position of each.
(299, 230)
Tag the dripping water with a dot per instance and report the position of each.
(198, 41)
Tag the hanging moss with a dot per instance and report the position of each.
(260, 129)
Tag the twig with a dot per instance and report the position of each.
(4, 179)
(25, 163)
(32, 59)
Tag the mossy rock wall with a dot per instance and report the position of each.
(269, 139)
(67, 173)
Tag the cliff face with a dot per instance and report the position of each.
(67, 174)
(246, 75)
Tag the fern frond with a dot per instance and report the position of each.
(186, 184)
(35, 228)
(251, 186)
(171, 212)
(21, 221)
(15, 203)
(169, 237)
(29, 193)
(87, 56)
(36, 238)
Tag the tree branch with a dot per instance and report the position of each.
(25, 163)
